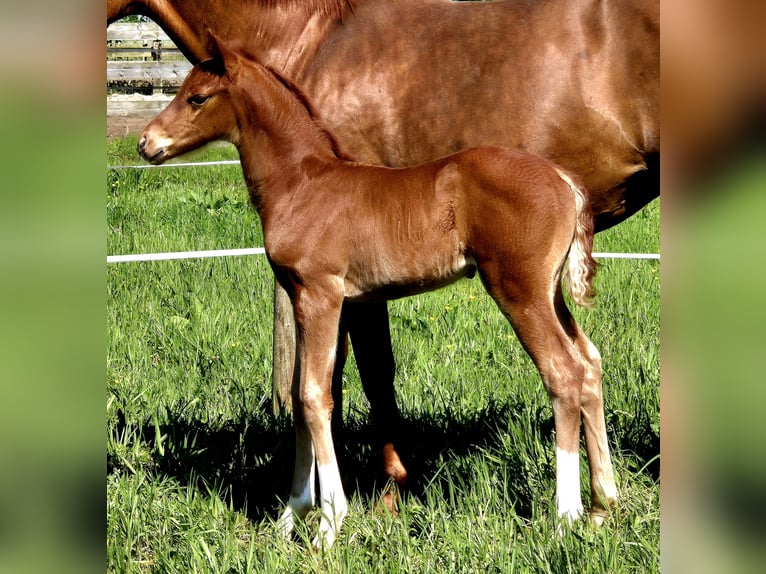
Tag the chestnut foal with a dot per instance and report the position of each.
(337, 230)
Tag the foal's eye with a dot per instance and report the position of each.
(197, 100)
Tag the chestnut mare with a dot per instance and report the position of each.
(401, 82)
(336, 229)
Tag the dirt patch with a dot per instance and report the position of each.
(128, 114)
(122, 126)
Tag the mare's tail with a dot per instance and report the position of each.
(581, 265)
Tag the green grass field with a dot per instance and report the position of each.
(198, 465)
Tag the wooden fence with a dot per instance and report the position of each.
(161, 75)
(143, 69)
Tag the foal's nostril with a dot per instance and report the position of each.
(142, 146)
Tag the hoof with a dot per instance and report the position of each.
(389, 501)
(329, 529)
(598, 514)
(601, 508)
(567, 519)
(392, 465)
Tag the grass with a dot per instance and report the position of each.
(198, 464)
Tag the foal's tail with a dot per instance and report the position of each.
(582, 266)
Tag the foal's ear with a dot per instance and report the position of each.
(228, 59)
(213, 65)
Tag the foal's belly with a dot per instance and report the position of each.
(393, 277)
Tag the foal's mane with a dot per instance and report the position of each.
(304, 101)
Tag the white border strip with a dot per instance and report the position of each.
(261, 251)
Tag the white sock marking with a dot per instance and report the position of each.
(568, 498)
(333, 504)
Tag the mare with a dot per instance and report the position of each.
(336, 229)
(402, 82)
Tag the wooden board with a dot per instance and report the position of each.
(158, 73)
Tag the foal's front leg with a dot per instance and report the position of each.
(317, 314)
(302, 492)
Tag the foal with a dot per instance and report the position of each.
(336, 229)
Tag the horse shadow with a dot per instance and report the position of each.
(250, 461)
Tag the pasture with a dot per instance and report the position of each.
(198, 465)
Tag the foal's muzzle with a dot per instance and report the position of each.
(152, 153)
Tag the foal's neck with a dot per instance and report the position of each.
(277, 131)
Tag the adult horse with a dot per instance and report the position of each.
(401, 82)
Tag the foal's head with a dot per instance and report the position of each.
(202, 111)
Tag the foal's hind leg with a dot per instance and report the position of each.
(603, 487)
(558, 360)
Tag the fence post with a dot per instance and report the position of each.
(283, 360)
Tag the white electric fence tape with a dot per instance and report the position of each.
(261, 251)
(183, 255)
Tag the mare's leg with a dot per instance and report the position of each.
(368, 327)
(341, 356)
(603, 487)
(317, 316)
(558, 360)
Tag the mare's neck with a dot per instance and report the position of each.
(282, 35)
(279, 141)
